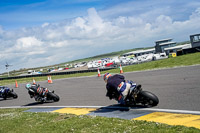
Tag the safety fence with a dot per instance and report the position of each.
(57, 73)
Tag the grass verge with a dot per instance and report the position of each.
(184, 60)
(17, 121)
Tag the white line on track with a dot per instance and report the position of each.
(113, 107)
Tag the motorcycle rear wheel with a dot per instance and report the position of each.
(148, 98)
(54, 97)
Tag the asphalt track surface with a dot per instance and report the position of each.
(176, 88)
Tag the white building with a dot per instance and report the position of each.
(137, 53)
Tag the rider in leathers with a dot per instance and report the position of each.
(118, 88)
(3, 91)
(36, 91)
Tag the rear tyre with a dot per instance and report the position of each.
(148, 98)
(54, 97)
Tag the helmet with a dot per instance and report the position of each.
(106, 76)
(28, 86)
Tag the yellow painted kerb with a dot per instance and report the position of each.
(188, 120)
(76, 111)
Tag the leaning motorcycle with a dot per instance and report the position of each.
(6, 92)
(138, 97)
(50, 96)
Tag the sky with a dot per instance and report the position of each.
(35, 33)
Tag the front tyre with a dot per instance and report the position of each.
(13, 94)
(148, 98)
(53, 96)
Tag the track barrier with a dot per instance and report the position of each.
(56, 73)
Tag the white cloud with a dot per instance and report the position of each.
(89, 35)
(90, 26)
(195, 14)
(59, 44)
(45, 24)
(124, 21)
(94, 20)
(1, 30)
(27, 43)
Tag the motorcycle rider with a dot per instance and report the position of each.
(3, 91)
(118, 88)
(34, 90)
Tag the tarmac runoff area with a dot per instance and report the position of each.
(166, 116)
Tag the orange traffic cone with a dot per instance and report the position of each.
(121, 71)
(99, 74)
(16, 84)
(34, 81)
(50, 80)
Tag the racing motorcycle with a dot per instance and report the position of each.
(6, 92)
(138, 97)
(50, 95)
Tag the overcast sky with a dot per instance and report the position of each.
(36, 33)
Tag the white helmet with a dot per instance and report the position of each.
(28, 86)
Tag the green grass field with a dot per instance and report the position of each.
(17, 121)
(184, 60)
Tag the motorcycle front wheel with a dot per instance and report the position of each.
(148, 98)
(54, 97)
(13, 94)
